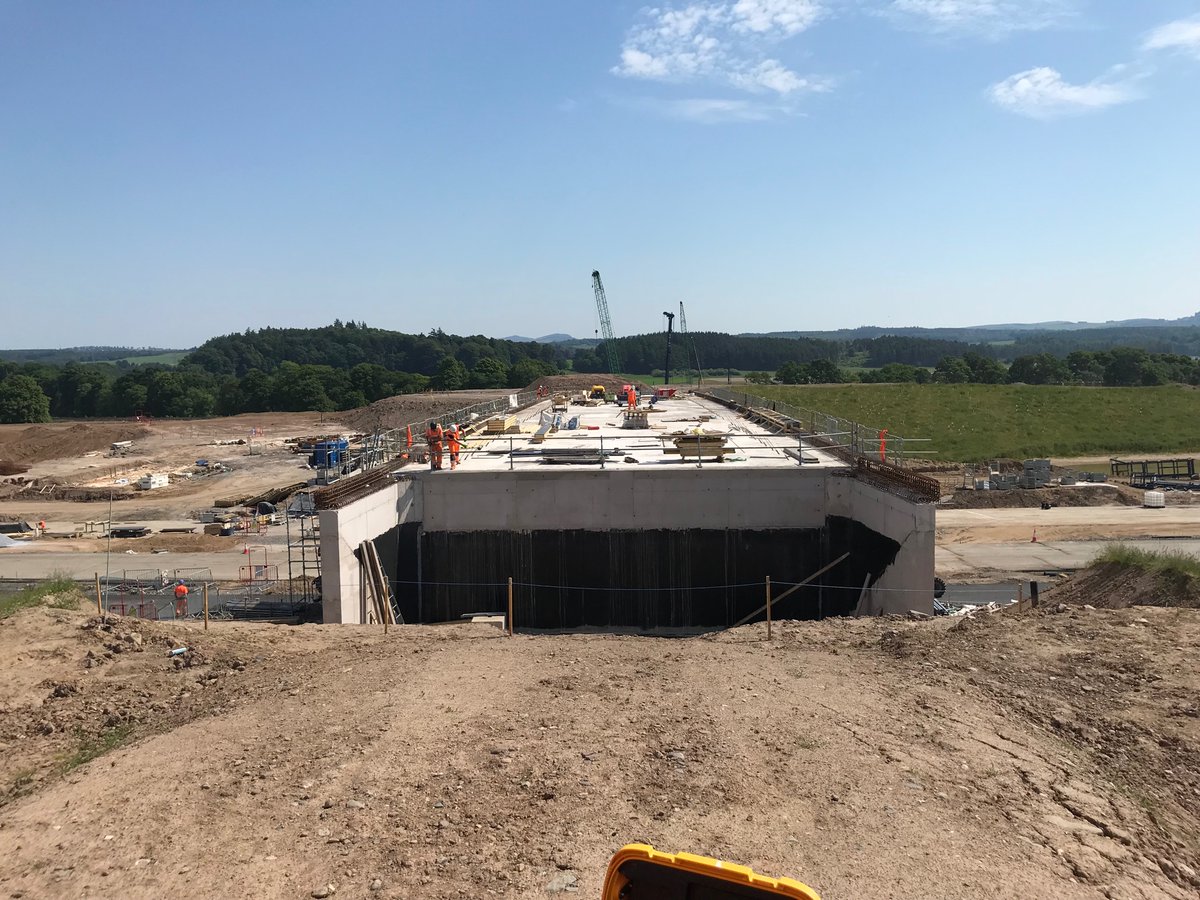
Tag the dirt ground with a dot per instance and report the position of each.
(1066, 523)
(1049, 755)
(263, 460)
(1082, 495)
(27, 444)
(1111, 586)
(77, 453)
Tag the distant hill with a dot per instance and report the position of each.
(64, 355)
(990, 334)
(1186, 321)
(544, 339)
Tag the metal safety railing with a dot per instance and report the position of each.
(855, 438)
(385, 445)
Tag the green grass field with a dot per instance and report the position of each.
(976, 422)
(166, 359)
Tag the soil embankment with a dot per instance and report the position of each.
(1049, 754)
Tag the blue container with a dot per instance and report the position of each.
(328, 454)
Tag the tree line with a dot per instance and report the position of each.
(1118, 367)
(345, 345)
(37, 392)
(645, 353)
(349, 364)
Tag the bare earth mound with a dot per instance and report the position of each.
(35, 443)
(1090, 495)
(1111, 586)
(1041, 756)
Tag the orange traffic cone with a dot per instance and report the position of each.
(1034, 540)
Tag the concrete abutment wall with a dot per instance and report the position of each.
(631, 548)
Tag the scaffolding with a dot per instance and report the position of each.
(382, 452)
(303, 550)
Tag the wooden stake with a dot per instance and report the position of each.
(1020, 596)
(510, 607)
(817, 574)
(768, 607)
(99, 603)
(205, 591)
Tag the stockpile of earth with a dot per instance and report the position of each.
(37, 443)
(1114, 586)
(1079, 495)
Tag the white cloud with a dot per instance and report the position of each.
(770, 75)
(1042, 93)
(1182, 34)
(986, 18)
(709, 110)
(721, 43)
(787, 17)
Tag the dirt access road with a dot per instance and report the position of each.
(1049, 756)
(1065, 523)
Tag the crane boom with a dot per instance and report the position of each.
(683, 329)
(606, 329)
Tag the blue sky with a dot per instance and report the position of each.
(170, 171)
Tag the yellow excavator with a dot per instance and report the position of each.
(598, 392)
(639, 872)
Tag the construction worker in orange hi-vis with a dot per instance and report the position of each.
(434, 437)
(181, 591)
(454, 442)
(632, 398)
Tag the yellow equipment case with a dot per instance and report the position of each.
(639, 872)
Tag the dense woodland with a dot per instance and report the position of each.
(347, 365)
(645, 353)
(346, 345)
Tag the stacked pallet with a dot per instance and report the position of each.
(700, 446)
(501, 425)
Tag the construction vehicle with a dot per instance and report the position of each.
(598, 392)
(639, 871)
